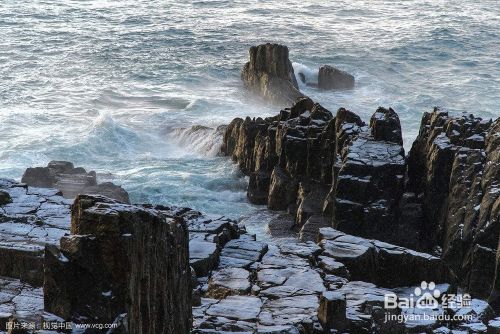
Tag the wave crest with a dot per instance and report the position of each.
(200, 139)
(305, 75)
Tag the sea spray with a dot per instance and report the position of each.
(200, 139)
(305, 75)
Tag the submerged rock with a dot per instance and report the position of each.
(269, 73)
(330, 77)
(72, 181)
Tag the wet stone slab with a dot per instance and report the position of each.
(32, 218)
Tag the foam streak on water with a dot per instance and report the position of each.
(117, 85)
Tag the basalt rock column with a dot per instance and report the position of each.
(121, 259)
(454, 167)
(370, 179)
(269, 73)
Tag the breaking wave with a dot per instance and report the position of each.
(305, 75)
(200, 139)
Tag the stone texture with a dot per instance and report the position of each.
(309, 231)
(330, 77)
(368, 188)
(32, 218)
(245, 308)
(269, 73)
(382, 263)
(229, 281)
(121, 259)
(431, 159)
(453, 167)
(385, 125)
(283, 190)
(332, 310)
(71, 181)
(441, 199)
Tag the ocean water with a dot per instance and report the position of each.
(117, 86)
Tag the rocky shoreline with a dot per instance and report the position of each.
(238, 284)
(372, 222)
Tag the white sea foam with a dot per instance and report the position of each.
(203, 140)
(304, 72)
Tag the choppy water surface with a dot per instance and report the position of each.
(109, 84)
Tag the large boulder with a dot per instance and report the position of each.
(121, 259)
(72, 181)
(269, 73)
(330, 77)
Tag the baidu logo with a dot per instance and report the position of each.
(426, 296)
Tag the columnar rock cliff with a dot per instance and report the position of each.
(454, 165)
(311, 163)
(334, 170)
(121, 259)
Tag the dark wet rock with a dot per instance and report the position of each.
(453, 167)
(431, 159)
(385, 125)
(330, 77)
(301, 106)
(368, 188)
(494, 326)
(281, 226)
(332, 310)
(480, 270)
(310, 198)
(72, 181)
(297, 310)
(347, 127)
(313, 164)
(269, 74)
(258, 187)
(330, 266)
(409, 227)
(307, 249)
(106, 262)
(20, 301)
(203, 256)
(283, 190)
(376, 262)
(309, 231)
(4, 198)
(365, 309)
